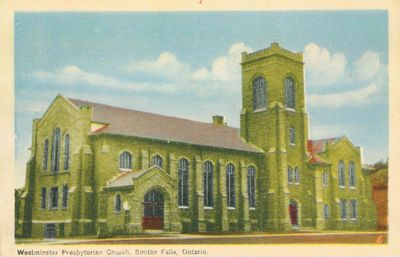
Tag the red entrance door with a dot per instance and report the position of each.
(293, 212)
(153, 205)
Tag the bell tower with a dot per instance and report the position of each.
(274, 119)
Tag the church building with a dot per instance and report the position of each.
(102, 170)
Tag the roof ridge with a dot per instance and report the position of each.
(131, 122)
(151, 113)
(327, 139)
(119, 176)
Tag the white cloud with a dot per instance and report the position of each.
(31, 106)
(367, 66)
(325, 69)
(179, 76)
(73, 75)
(166, 65)
(325, 131)
(322, 67)
(224, 68)
(355, 97)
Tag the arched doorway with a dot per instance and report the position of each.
(153, 210)
(293, 211)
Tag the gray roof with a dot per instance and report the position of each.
(121, 121)
(123, 180)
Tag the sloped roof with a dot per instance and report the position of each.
(124, 179)
(121, 121)
(317, 146)
(316, 159)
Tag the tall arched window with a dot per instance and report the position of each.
(117, 203)
(290, 93)
(292, 135)
(325, 177)
(208, 184)
(296, 175)
(259, 93)
(66, 152)
(125, 160)
(55, 150)
(45, 153)
(352, 175)
(157, 160)
(341, 173)
(290, 174)
(230, 185)
(183, 177)
(251, 186)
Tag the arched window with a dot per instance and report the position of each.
(125, 160)
(353, 209)
(296, 175)
(290, 174)
(343, 209)
(157, 160)
(208, 184)
(251, 186)
(352, 175)
(290, 93)
(183, 174)
(45, 153)
(117, 203)
(292, 136)
(66, 152)
(55, 150)
(64, 196)
(326, 211)
(325, 177)
(230, 185)
(259, 93)
(341, 173)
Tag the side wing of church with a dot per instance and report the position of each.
(99, 169)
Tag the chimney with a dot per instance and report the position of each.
(218, 120)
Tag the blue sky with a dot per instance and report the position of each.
(185, 64)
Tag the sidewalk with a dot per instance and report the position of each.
(223, 238)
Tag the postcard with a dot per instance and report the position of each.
(199, 129)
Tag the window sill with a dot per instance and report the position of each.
(342, 187)
(231, 208)
(208, 208)
(117, 212)
(48, 173)
(53, 209)
(183, 207)
(292, 144)
(123, 169)
(252, 208)
(260, 110)
(297, 183)
(352, 187)
(290, 109)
